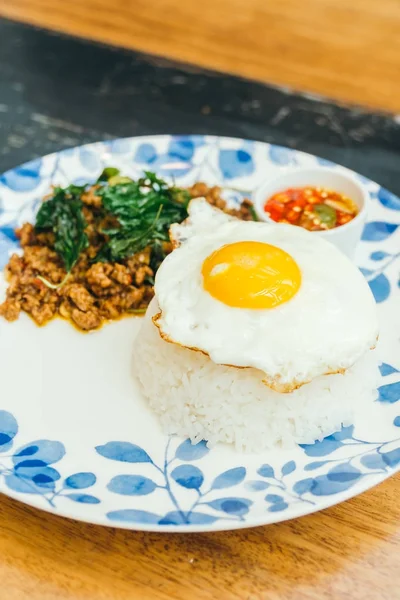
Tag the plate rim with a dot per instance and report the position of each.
(217, 526)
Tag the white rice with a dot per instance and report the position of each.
(199, 399)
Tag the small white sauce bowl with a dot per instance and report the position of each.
(345, 237)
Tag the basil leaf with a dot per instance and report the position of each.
(62, 214)
(144, 209)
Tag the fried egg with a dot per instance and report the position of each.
(272, 297)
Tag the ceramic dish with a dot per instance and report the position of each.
(345, 237)
(77, 440)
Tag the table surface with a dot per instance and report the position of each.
(57, 92)
(345, 50)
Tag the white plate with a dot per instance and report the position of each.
(77, 440)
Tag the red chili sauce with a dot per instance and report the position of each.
(313, 208)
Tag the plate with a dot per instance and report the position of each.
(77, 440)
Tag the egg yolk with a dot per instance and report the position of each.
(251, 275)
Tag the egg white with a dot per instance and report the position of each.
(329, 323)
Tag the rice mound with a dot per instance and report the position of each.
(199, 399)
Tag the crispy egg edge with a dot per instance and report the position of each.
(273, 383)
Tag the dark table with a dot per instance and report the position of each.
(57, 92)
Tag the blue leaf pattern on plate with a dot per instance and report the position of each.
(303, 486)
(31, 474)
(380, 287)
(146, 153)
(229, 478)
(23, 179)
(30, 464)
(80, 481)
(89, 159)
(257, 486)
(273, 498)
(278, 507)
(377, 280)
(266, 471)
(232, 506)
(130, 515)
(45, 452)
(317, 464)
(123, 452)
(181, 148)
(9, 232)
(131, 485)
(189, 451)
(337, 480)
(388, 200)
(188, 476)
(326, 446)
(197, 518)
(40, 478)
(379, 255)
(27, 451)
(343, 474)
(288, 468)
(376, 231)
(280, 155)
(392, 458)
(373, 461)
(345, 433)
(7, 247)
(24, 485)
(122, 146)
(389, 393)
(8, 428)
(235, 163)
(83, 498)
(386, 369)
(29, 471)
(174, 517)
